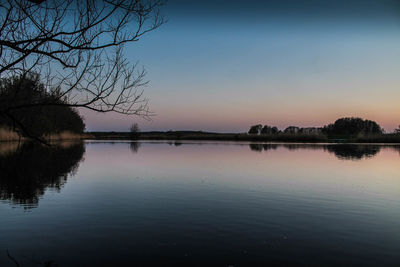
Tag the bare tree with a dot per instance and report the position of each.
(134, 131)
(77, 49)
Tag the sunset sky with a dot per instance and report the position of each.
(222, 67)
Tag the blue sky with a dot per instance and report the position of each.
(223, 67)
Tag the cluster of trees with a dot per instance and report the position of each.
(271, 130)
(352, 127)
(34, 111)
(259, 129)
(341, 127)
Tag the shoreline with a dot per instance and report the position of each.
(237, 137)
(177, 136)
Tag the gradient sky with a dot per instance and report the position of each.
(226, 65)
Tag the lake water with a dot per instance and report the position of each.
(199, 203)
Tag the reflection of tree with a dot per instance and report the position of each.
(32, 168)
(342, 151)
(134, 146)
(302, 146)
(270, 146)
(354, 152)
(256, 147)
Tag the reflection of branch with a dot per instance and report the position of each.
(12, 259)
(44, 263)
(38, 262)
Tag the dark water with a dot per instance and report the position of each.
(204, 204)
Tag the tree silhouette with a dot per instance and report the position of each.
(36, 121)
(134, 131)
(352, 127)
(269, 130)
(255, 129)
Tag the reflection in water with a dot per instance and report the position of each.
(261, 147)
(341, 151)
(256, 147)
(209, 204)
(354, 152)
(28, 170)
(270, 146)
(177, 143)
(134, 146)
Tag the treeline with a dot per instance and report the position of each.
(341, 128)
(28, 107)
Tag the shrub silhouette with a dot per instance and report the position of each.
(37, 110)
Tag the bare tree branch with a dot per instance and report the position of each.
(77, 49)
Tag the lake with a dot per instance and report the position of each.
(199, 203)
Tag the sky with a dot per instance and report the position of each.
(226, 65)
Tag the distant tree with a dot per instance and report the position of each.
(292, 130)
(255, 129)
(397, 131)
(310, 130)
(134, 131)
(352, 127)
(33, 120)
(269, 130)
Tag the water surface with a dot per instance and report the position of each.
(200, 203)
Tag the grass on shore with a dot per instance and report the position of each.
(7, 135)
